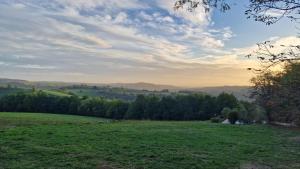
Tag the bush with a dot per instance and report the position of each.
(225, 112)
(233, 116)
(216, 120)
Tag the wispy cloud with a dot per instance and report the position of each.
(35, 67)
(107, 39)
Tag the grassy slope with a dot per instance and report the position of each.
(56, 93)
(54, 141)
(109, 93)
(8, 91)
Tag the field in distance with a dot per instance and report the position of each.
(122, 91)
(30, 140)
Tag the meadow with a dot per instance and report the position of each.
(33, 140)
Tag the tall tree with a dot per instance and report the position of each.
(279, 93)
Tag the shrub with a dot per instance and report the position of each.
(225, 112)
(233, 116)
(216, 120)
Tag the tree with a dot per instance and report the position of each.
(270, 55)
(137, 108)
(263, 10)
(251, 112)
(225, 112)
(233, 116)
(152, 108)
(206, 4)
(93, 107)
(279, 93)
(226, 100)
(116, 109)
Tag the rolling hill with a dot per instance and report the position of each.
(125, 91)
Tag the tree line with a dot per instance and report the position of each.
(150, 107)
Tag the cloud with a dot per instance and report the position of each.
(274, 13)
(145, 16)
(199, 16)
(277, 42)
(3, 63)
(91, 5)
(35, 67)
(105, 39)
(121, 18)
(289, 40)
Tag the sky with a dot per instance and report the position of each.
(127, 41)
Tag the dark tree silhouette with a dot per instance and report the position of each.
(206, 4)
(270, 11)
(269, 57)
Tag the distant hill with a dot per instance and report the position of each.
(241, 92)
(30, 84)
(135, 86)
(14, 82)
(144, 86)
(124, 90)
(2, 80)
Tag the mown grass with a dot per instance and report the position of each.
(55, 141)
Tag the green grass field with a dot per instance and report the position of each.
(34, 141)
(56, 93)
(9, 91)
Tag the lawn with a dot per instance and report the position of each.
(36, 141)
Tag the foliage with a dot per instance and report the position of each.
(216, 120)
(271, 55)
(225, 112)
(151, 107)
(226, 100)
(279, 93)
(233, 116)
(205, 4)
(245, 112)
(251, 113)
(10, 90)
(263, 10)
